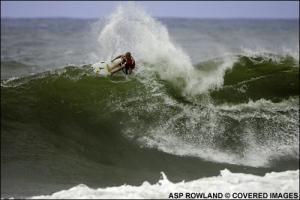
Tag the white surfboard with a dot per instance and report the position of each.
(107, 67)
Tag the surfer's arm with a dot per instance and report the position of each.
(120, 56)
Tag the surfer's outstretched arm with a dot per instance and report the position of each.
(120, 56)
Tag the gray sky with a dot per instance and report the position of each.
(195, 9)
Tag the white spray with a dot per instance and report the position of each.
(129, 28)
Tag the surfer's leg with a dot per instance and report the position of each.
(125, 70)
(114, 67)
(115, 71)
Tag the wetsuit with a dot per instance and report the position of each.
(129, 64)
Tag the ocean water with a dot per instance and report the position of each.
(213, 106)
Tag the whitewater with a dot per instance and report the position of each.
(226, 182)
(212, 108)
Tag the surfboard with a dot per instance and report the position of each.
(107, 67)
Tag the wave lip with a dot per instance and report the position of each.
(274, 182)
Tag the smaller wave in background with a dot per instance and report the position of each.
(13, 69)
(271, 77)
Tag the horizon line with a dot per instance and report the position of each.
(161, 17)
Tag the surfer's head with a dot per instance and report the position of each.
(127, 54)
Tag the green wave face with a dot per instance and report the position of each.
(252, 119)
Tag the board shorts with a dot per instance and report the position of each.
(125, 70)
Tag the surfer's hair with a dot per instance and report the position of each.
(128, 54)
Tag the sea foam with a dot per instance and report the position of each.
(226, 182)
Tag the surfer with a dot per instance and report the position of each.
(127, 64)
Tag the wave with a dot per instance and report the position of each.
(169, 105)
(15, 69)
(152, 113)
(226, 182)
(239, 112)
